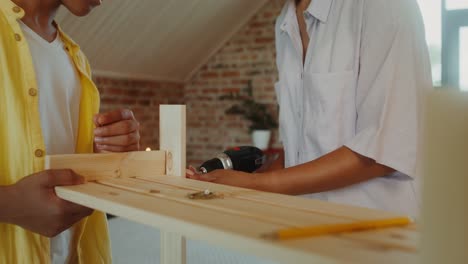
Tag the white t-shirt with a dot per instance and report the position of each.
(361, 86)
(59, 93)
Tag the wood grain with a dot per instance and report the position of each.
(239, 232)
(279, 200)
(111, 165)
(172, 133)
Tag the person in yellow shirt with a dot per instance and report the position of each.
(49, 105)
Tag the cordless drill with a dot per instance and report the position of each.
(245, 158)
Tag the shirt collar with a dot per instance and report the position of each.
(68, 42)
(10, 9)
(320, 9)
(14, 11)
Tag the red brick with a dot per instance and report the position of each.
(241, 82)
(264, 40)
(230, 90)
(210, 75)
(231, 74)
(210, 91)
(137, 95)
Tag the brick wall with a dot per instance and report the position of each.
(144, 98)
(248, 56)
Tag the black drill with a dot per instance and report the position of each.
(246, 159)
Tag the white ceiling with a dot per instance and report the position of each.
(156, 39)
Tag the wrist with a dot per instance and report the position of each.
(8, 200)
(267, 181)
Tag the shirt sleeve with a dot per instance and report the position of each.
(394, 72)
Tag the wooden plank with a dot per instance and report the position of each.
(111, 165)
(224, 229)
(229, 204)
(172, 133)
(401, 238)
(279, 200)
(404, 238)
(160, 213)
(348, 251)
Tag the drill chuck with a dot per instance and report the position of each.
(246, 159)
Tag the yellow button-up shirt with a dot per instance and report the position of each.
(22, 146)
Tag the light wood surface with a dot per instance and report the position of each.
(172, 138)
(172, 133)
(238, 223)
(110, 165)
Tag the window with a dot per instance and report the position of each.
(455, 43)
(456, 4)
(464, 58)
(446, 23)
(432, 16)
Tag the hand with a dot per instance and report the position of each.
(116, 131)
(228, 177)
(37, 207)
(190, 171)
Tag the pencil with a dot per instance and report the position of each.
(327, 229)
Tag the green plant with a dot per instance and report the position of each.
(257, 113)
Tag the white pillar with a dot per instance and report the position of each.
(172, 138)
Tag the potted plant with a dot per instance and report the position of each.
(261, 120)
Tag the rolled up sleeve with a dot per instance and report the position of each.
(394, 72)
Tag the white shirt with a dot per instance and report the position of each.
(361, 86)
(59, 93)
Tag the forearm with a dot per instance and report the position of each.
(338, 169)
(7, 202)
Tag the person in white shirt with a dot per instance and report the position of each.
(351, 78)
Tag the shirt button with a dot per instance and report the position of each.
(16, 9)
(39, 153)
(18, 37)
(32, 92)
